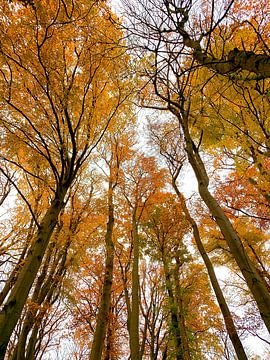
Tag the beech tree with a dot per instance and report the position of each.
(102, 254)
(48, 286)
(182, 278)
(165, 225)
(166, 30)
(58, 70)
(142, 181)
(171, 149)
(116, 157)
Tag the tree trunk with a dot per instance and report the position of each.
(181, 316)
(46, 286)
(135, 304)
(229, 323)
(254, 281)
(173, 312)
(14, 305)
(104, 308)
(109, 350)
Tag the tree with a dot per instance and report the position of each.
(116, 157)
(101, 253)
(171, 149)
(142, 182)
(51, 56)
(160, 31)
(166, 228)
(48, 285)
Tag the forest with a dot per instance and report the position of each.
(134, 179)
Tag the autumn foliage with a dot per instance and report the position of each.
(134, 180)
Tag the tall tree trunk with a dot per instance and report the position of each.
(181, 316)
(254, 281)
(104, 308)
(47, 284)
(30, 316)
(227, 316)
(173, 311)
(144, 335)
(135, 296)
(11, 312)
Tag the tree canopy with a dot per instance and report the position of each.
(104, 116)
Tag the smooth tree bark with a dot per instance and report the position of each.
(30, 316)
(13, 275)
